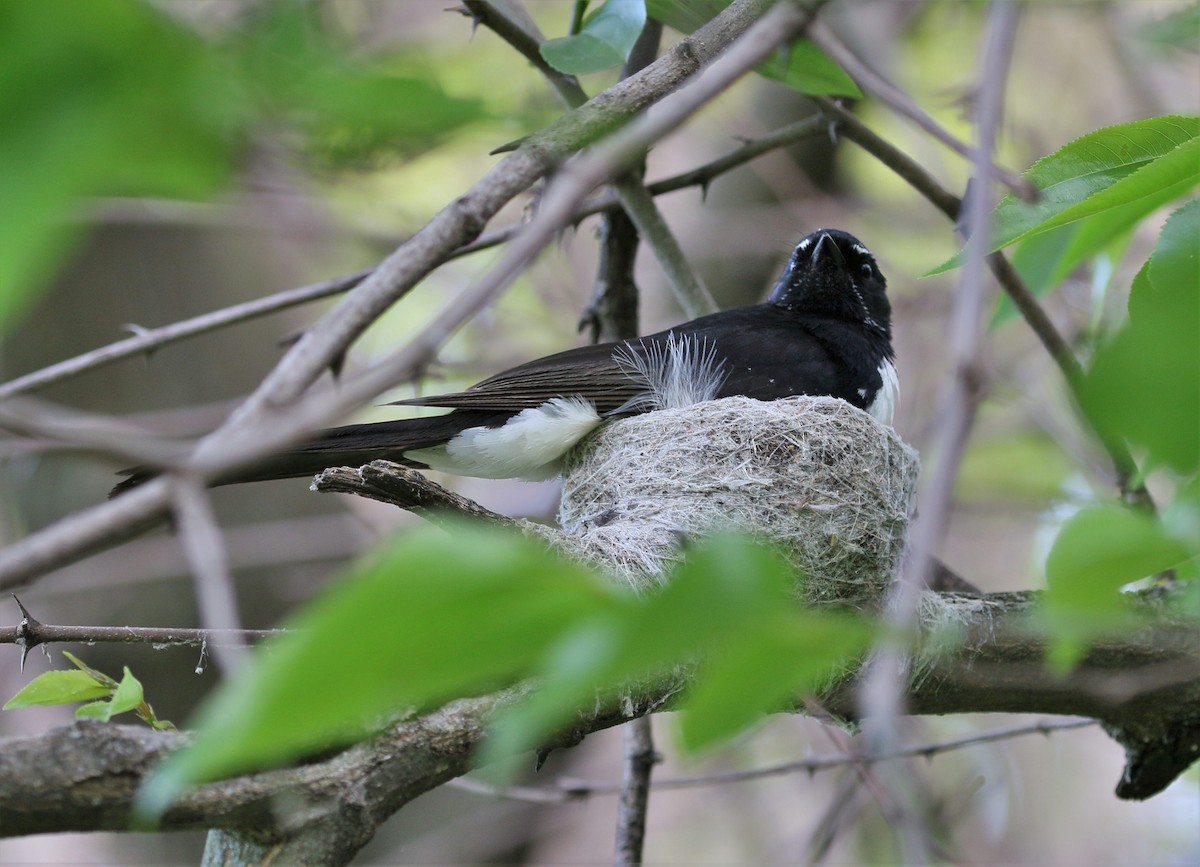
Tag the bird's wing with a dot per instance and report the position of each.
(589, 372)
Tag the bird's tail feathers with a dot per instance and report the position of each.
(352, 445)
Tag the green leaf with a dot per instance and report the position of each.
(1178, 30)
(1096, 553)
(784, 658)
(1144, 384)
(685, 16)
(1100, 550)
(58, 687)
(607, 37)
(807, 69)
(1141, 164)
(99, 710)
(728, 597)
(351, 111)
(801, 66)
(431, 618)
(113, 98)
(128, 695)
(1045, 259)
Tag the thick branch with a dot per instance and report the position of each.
(1144, 684)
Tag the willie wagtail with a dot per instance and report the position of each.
(824, 330)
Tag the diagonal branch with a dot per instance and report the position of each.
(146, 340)
(262, 425)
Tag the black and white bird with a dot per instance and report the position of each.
(825, 330)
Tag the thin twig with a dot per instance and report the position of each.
(146, 340)
(882, 693)
(575, 790)
(103, 434)
(639, 760)
(204, 547)
(524, 36)
(900, 102)
(31, 632)
(689, 291)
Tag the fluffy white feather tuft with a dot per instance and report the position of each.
(680, 373)
(528, 446)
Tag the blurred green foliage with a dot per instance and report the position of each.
(435, 616)
(1143, 386)
(113, 97)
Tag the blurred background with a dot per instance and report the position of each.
(291, 212)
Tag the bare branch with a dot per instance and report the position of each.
(403, 486)
(689, 291)
(145, 340)
(901, 103)
(883, 688)
(639, 761)
(30, 632)
(204, 547)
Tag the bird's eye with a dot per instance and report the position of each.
(866, 269)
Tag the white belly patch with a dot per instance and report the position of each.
(528, 446)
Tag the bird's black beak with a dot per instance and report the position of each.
(826, 253)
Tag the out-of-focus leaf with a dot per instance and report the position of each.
(1019, 466)
(1142, 164)
(435, 618)
(808, 69)
(801, 66)
(1144, 384)
(1095, 554)
(102, 97)
(685, 15)
(725, 586)
(1100, 550)
(785, 657)
(58, 687)
(431, 618)
(605, 40)
(351, 110)
(730, 600)
(1179, 29)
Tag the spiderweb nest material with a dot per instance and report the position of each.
(830, 485)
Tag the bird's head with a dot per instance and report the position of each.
(831, 273)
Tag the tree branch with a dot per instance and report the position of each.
(83, 777)
(402, 486)
(261, 425)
